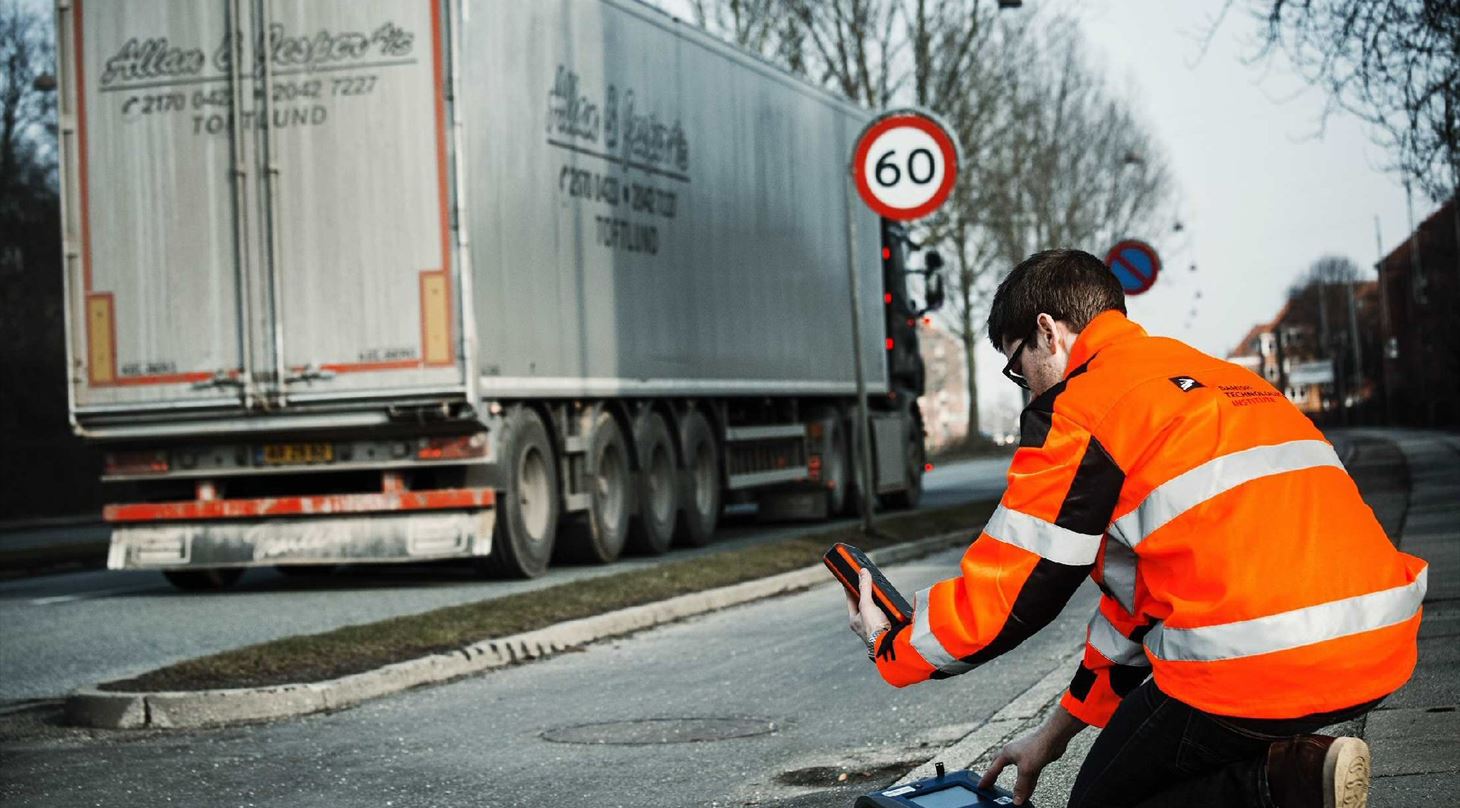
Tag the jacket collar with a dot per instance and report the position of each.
(1107, 328)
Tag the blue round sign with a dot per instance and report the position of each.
(1135, 264)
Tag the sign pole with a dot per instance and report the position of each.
(904, 165)
(863, 439)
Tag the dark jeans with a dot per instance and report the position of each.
(1157, 751)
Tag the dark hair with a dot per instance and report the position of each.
(1069, 285)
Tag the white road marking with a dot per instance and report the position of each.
(95, 593)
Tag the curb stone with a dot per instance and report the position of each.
(106, 709)
(1025, 710)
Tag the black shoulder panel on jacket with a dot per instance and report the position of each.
(1048, 588)
(1093, 492)
(1035, 420)
(1081, 684)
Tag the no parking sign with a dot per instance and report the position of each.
(1135, 264)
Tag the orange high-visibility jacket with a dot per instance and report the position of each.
(1237, 562)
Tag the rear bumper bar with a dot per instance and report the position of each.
(331, 539)
(387, 502)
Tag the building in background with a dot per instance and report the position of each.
(1308, 349)
(944, 404)
(1420, 286)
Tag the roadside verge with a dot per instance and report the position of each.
(301, 675)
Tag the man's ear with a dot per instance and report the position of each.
(1047, 328)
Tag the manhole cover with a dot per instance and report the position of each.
(647, 731)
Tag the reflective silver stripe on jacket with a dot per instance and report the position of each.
(926, 643)
(1293, 629)
(1044, 539)
(1119, 574)
(1114, 646)
(1218, 475)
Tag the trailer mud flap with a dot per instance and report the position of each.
(313, 540)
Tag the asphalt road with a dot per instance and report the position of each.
(61, 632)
(786, 669)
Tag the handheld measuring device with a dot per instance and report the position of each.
(845, 561)
(947, 790)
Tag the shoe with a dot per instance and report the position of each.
(1318, 771)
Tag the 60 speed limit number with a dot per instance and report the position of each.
(905, 165)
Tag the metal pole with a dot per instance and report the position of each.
(1357, 374)
(863, 432)
(1417, 294)
(1385, 327)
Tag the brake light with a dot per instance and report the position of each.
(455, 447)
(135, 462)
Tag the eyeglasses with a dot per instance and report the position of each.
(1013, 375)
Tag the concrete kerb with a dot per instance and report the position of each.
(104, 709)
(1013, 718)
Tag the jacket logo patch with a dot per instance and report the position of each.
(1186, 383)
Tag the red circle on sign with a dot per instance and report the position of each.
(945, 145)
(1141, 247)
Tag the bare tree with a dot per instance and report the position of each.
(1393, 63)
(33, 374)
(1050, 156)
(27, 113)
(1053, 159)
(751, 24)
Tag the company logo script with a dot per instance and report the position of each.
(619, 123)
(141, 59)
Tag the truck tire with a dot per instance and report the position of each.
(214, 580)
(528, 504)
(600, 537)
(652, 529)
(909, 497)
(702, 495)
(836, 464)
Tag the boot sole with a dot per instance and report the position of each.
(1346, 774)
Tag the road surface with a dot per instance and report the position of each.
(61, 632)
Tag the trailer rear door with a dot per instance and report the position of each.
(360, 198)
(154, 260)
(259, 203)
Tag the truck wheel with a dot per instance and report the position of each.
(215, 580)
(602, 538)
(652, 528)
(528, 507)
(836, 464)
(909, 497)
(701, 505)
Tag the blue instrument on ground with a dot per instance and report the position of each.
(947, 790)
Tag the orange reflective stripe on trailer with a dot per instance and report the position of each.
(439, 499)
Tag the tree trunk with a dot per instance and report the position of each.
(967, 332)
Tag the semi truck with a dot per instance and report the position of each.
(400, 280)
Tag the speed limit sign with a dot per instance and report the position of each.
(905, 164)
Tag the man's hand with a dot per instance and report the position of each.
(863, 614)
(1031, 753)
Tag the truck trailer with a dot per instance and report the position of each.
(400, 280)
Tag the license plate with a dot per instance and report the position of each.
(288, 454)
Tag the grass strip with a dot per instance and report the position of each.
(355, 649)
